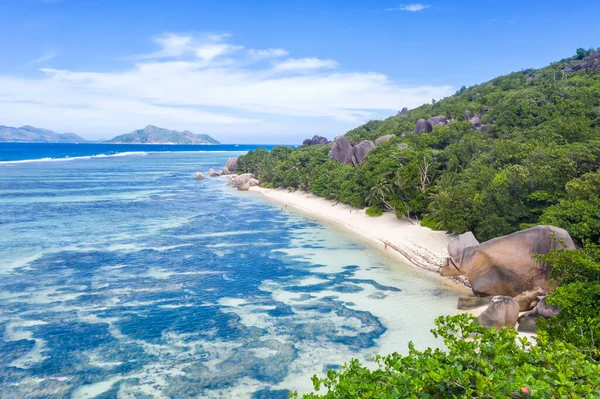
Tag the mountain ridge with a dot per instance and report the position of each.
(156, 135)
(27, 133)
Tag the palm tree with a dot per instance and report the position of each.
(379, 193)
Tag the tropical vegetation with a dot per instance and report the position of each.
(532, 158)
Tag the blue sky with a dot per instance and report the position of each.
(263, 71)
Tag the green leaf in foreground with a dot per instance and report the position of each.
(478, 363)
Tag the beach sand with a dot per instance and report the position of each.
(408, 243)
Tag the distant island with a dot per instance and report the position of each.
(30, 133)
(156, 135)
(149, 135)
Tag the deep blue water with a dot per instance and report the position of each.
(25, 151)
(124, 277)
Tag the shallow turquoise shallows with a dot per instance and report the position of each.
(124, 277)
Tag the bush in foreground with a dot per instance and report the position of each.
(489, 364)
(374, 211)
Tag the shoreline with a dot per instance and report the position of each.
(396, 238)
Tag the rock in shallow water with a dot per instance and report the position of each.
(231, 165)
(199, 176)
(244, 182)
(214, 173)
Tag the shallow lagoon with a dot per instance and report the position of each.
(123, 277)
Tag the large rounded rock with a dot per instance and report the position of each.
(472, 302)
(316, 140)
(529, 299)
(250, 183)
(527, 322)
(225, 172)
(341, 150)
(231, 165)
(240, 180)
(423, 126)
(214, 173)
(360, 150)
(476, 120)
(506, 265)
(199, 176)
(438, 120)
(503, 311)
(384, 138)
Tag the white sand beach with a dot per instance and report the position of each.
(409, 243)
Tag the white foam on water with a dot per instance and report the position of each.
(92, 390)
(67, 158)
(33, 357)
(232, 302)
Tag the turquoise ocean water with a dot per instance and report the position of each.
(122, 276)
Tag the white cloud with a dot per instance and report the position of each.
(174, 45)
(211, 51)
(410, 7)
(214, 88)
(47, 56)
(305, 64)
(267, 53)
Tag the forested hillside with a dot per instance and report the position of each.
(519, 150)
(531, 157)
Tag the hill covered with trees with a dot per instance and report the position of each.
(157, 135)
(531, 158)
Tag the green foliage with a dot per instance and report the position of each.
(577, 297)
(534, 160)
(579, 210)
(490, 364)
(374, 211)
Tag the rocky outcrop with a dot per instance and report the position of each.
(316, 140)
(231, 165)
(505, 265)
(472, 302)
(476, 120)
(439, 120)
(226, 172)
(244, 181)
(423, 126)
(341, 150)
(384, 138)
(589, 63)
(250, 183)
(527, 322)
(403, 112)
(426, 125)
(360, 150)
(529, 299)
(199, 176)
(214, 173)
(503, 311)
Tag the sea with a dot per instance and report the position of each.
(122, 276)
